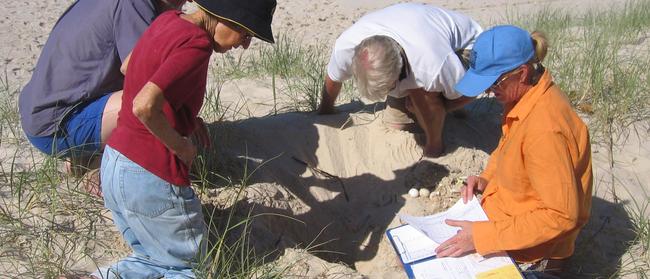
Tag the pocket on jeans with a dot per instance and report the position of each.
(185, 192)
(144, 193)
(190, 200)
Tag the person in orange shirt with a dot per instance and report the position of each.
(538, 182)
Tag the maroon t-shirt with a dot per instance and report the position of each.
(174, 54)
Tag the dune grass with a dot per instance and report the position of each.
(230, 253)
(638, 256)
(50, 227)
(296, 72)
(47, 225)
(9, 117)
(599, 59)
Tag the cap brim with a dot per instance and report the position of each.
(472, 84)
(263, 33)
(248, 22)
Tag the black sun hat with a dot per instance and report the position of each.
(253, 15)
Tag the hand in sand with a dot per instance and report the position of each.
(460, 244)
(433, 151)
(474, 184)
(326, 109)
(329, 92)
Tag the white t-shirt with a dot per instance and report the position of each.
(429, 35)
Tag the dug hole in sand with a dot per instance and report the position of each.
(333, 184)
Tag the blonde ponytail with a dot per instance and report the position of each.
(541, 46)
(540, 43)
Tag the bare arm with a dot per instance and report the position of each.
(148, 108)
(429, 111)
(331, 90)
(451, 105)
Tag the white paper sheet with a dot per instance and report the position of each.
(459, 268)
(434, 226)
(418, 239)
(412, 244)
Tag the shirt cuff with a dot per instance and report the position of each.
(486, 176)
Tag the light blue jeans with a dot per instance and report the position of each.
(162, 223)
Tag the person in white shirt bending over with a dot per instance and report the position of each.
(412, 55)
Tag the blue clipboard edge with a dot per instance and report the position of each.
(406, 266)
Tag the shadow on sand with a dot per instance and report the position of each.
(341, 212)
(344, 210)
(603, 242)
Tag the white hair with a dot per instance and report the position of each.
(376, 66)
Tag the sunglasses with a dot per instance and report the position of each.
(503, 78)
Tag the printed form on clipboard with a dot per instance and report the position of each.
(416, 242)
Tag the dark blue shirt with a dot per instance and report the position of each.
(81, 59)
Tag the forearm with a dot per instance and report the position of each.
(329, 93)
(428, 109)
(451, 105)
(430, 114)
(552, 203)
(521, 231)
(158, 125)
(148, 108)
(424, 104)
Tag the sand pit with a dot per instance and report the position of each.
(345, 177)
(304, 165)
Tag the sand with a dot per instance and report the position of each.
(343, 178)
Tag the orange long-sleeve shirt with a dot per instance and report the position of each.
(538, 194)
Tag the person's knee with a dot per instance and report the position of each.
(426, 102)
(396, 115)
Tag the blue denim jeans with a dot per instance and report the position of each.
(162, 223)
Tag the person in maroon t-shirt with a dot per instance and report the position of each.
(144, 171)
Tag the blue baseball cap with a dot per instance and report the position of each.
(496, 51)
